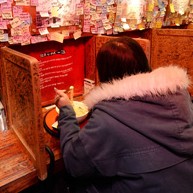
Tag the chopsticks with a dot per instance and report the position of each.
(71, 90)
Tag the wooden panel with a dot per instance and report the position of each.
(173, 47)
(93, 47)
(90, 52)
(190, 26)
(16, 169)
(145, 43)
(21, 97)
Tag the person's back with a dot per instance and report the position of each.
(139, 136)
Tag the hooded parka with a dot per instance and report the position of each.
(138, 139)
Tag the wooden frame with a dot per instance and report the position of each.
(21, 97)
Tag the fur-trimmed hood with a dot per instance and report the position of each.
(160, 81)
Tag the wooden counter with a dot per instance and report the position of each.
(17, 171)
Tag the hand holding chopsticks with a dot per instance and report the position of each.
(62, 99)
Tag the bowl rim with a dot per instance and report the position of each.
(77, 102)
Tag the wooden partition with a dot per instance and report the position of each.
(172, 47)
(24, 96)
(93, 46)
(21, 97)
(162, 46)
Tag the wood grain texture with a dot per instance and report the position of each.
(21, 96)
(90, 52)
(93, 46)
(173, 47)
(16, 169)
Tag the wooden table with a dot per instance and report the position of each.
(17, 171)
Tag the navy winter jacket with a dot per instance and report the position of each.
(139, 138)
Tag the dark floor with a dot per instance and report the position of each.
(56, 183)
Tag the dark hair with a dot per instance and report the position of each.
(120, 57)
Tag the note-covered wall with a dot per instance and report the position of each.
(28, 22)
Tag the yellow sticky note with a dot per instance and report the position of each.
(158, 24)
(177, 21)
(172, 8)
(54, 11)
(141, 26)
(150, 7)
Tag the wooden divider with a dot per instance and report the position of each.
(21, 97)
(173, 47)
(93, 46)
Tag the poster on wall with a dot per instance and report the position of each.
(60, 66)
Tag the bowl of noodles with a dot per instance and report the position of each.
(81, 110)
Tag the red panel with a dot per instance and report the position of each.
(61, 65)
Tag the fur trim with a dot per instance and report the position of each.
(160, 81)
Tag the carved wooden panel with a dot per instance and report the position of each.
(100, 40)
(173, 47)
(2, 44)
(21, 96)
(90, 52)
(93, 47)
(17, 171)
